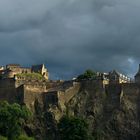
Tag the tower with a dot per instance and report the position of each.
(41, 69)
(137, 76)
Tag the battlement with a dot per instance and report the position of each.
(12, 70)
(33, 86)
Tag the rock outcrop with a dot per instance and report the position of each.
(113, 111)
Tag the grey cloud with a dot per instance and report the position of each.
(71, 36)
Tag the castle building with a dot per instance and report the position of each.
(11, 70)
(118, 78)
(1, 68)
(103, 77)
(137, 76)
(40, 69)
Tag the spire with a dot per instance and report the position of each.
(138, 73)
(139, 69)
(137, 76)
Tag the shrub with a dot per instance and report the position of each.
(73, 128)
(35, 76)
(24, 137)
(12, 117)
(3, 138)
(88, 74)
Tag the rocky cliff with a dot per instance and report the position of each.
(113, 111)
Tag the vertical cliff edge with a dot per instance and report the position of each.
(113, 111)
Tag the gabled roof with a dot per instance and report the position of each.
(119, 74)
(115, 72)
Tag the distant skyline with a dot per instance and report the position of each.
(70, 36)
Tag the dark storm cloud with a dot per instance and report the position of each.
(70, 36)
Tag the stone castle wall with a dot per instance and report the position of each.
(32, 93)
(24, 90)
(126, 95)
(8, 90)
(130, 96)
(130, 89)
(60, 93)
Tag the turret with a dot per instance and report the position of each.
(137, 76)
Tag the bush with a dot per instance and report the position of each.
(88, 74)
(12, 117)
(72, 128)
(35, 76)
(3, 138)
(23, 137)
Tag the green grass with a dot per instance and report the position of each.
(30, 76)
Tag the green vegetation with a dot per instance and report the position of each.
(73, 128)
(88, 74)
(3, 138)
(12, 118)
(36, 76)
(23, 137)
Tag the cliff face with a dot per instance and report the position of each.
(113, 112)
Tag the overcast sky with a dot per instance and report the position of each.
(70, 36)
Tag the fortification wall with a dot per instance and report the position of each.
(49, 84)
(130, 97)
(57, 98)
(21, 81)
(113, 94)
(7, 83)
(30, 91)
(92, 83)
(51, 98)
(71, 88)
(113, 90)
(8, 90)
(65, 96)
(126, 96)
(33, 92)
(93, 87)
(130, 89)
(60, 93)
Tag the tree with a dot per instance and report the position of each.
(72, 128)
(12, 117)
(88, 74)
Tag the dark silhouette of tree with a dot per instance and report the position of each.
(72, 128)
(12, 117)
(88, 74)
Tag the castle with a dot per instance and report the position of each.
(113, 77)
(108, 94)
(15, 86)
(12, 70)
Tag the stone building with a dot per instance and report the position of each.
(1, 68)
(104, 77)
(11, 70)
(113, 77)
(118, 78)
(40, 69)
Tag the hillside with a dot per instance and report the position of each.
(112, 111)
